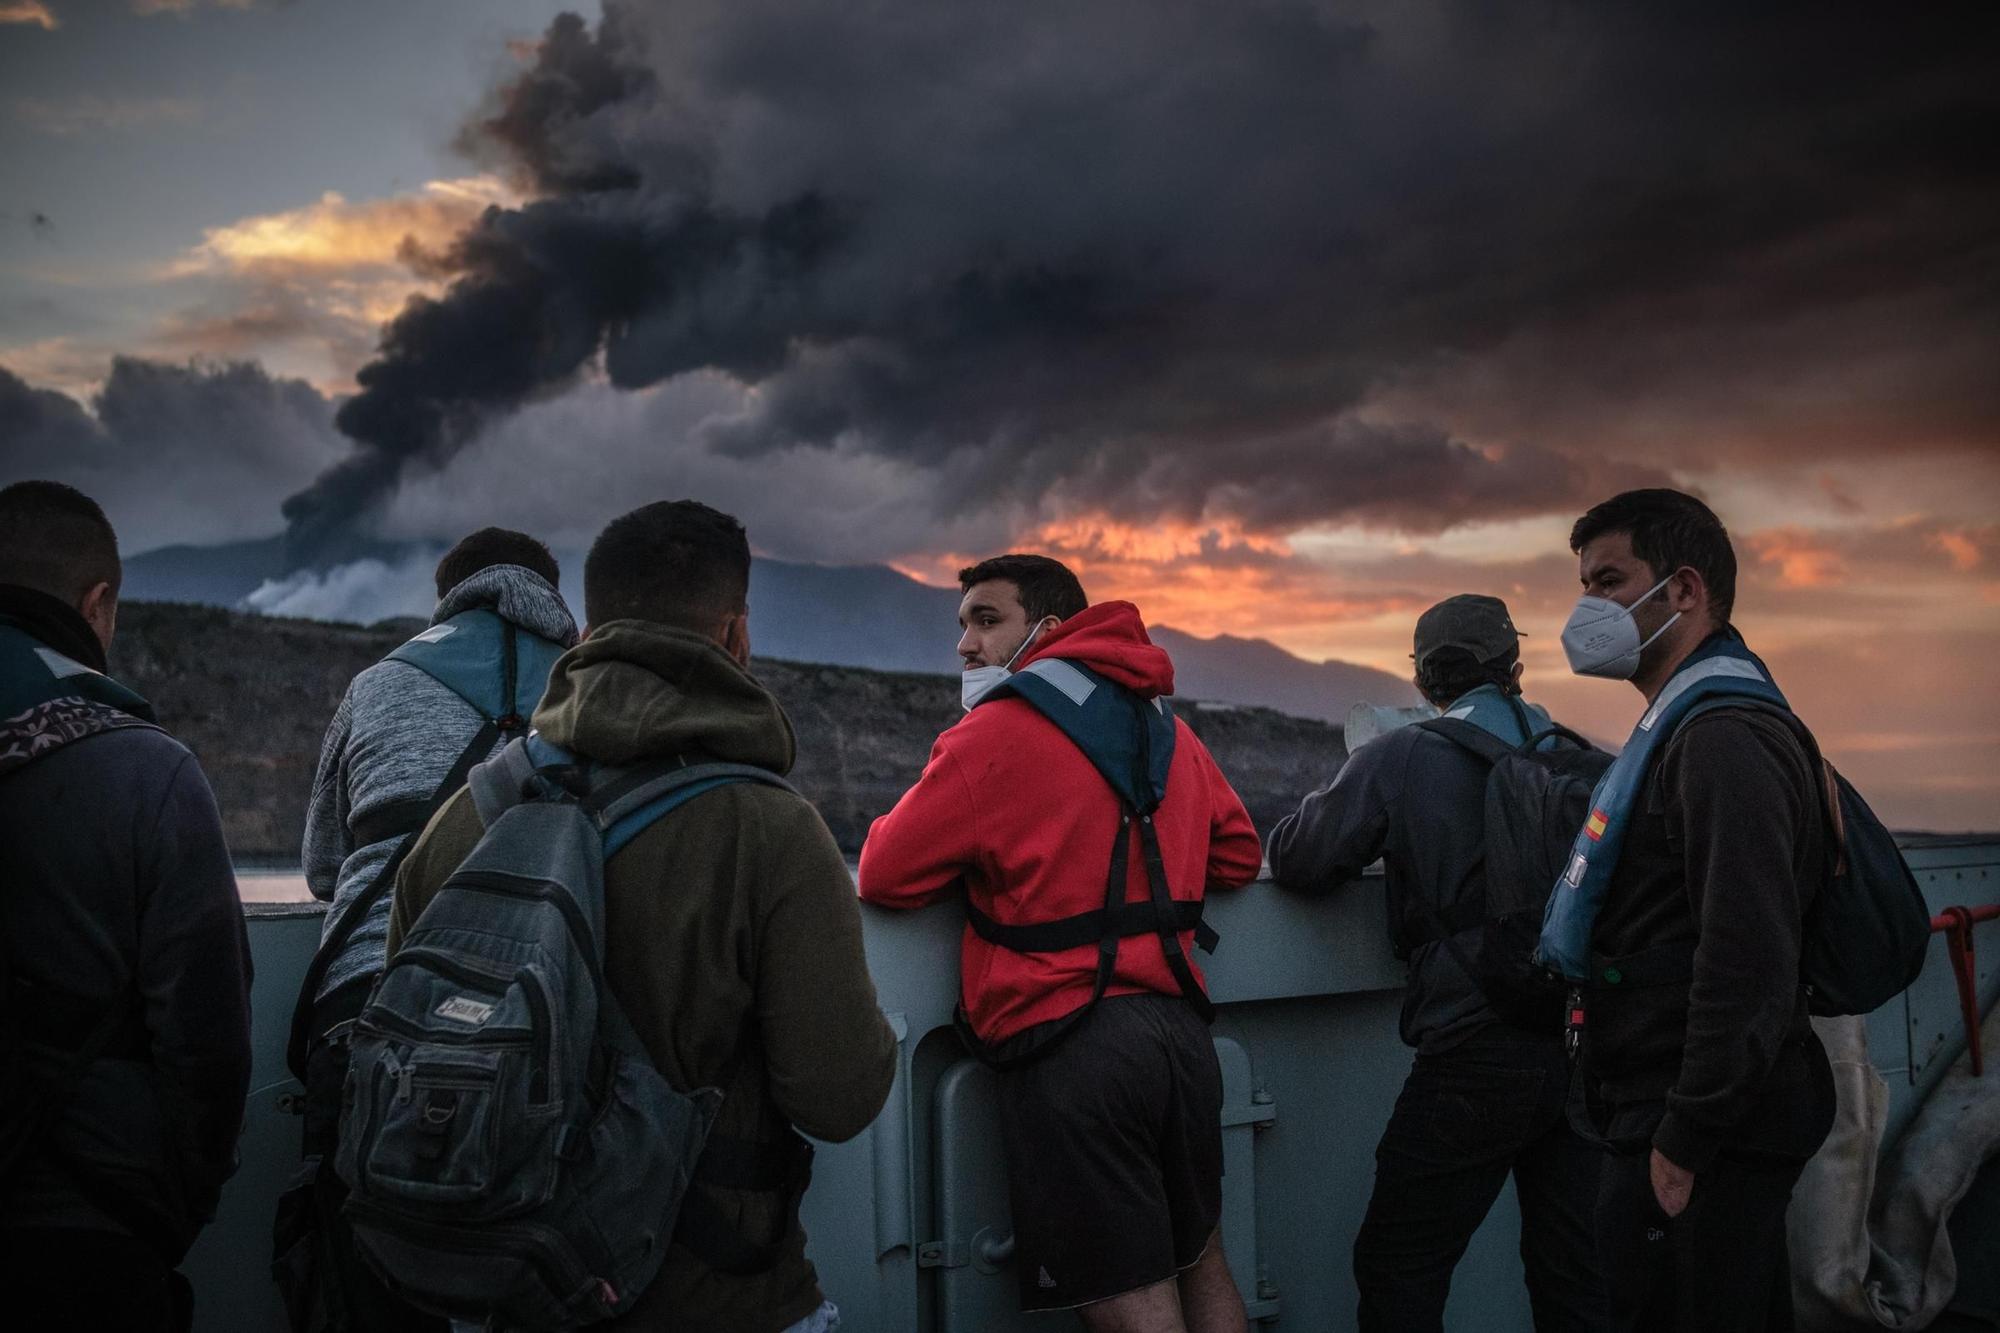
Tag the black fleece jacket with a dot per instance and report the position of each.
(1415, 800)
(1723, 855)
(119, 891)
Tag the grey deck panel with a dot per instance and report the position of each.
(905, 1219)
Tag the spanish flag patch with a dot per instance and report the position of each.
(1595, 825)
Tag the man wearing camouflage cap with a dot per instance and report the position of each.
(1485, 1096)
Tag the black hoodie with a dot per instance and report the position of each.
(116, 890)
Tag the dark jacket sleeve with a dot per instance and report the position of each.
(1743, 797)
(194, 986)
(830, 1053)
(1339, 830)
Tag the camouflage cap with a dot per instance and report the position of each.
(1471, 621)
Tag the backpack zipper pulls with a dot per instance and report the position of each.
(399, 1072)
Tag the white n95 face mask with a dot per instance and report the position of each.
(1602, 637)
(977, 682)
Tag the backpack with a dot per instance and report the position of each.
(1536, 799)
(1868, 930)
(510, 1150)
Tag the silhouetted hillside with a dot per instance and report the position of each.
(847, 615)
(251, 696)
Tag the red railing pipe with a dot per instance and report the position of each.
(1956, 923)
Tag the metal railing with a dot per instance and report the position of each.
(1956, 924)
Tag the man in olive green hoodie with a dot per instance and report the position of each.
(733, 934)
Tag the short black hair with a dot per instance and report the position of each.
(56, 540)
(1447, 673)
(677, 562)
(1047, 588)
(1669, 529)
(494, 546)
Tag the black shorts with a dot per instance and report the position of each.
(1114, 1153)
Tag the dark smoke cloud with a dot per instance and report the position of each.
(1149, 257)
(175, 453)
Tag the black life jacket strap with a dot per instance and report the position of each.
(1073, 932)
(1163, 912)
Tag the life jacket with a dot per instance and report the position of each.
(1130, 742)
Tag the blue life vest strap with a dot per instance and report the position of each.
(487, 660)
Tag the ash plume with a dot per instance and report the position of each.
(1152, 259)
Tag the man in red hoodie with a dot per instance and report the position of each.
(1077, 978)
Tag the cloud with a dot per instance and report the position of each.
(360, 592)
(321, 280)
(1139, 258)
(563, 467)
(1801, 561)
(337, 236)
(1964, 548)
(28, 11)
(198, 452)
(182, 8)
(89, 113)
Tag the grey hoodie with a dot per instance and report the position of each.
(393, 739)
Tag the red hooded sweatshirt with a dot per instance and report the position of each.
(1011, 807)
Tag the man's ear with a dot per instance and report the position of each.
(1519, 667)
(99, 607)
(735, 637)
(1687, 590)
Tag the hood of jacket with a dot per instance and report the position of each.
(1111, 640)
(639, 690)
(514, 593)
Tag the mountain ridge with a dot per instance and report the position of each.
(867, 616)
(251, 695)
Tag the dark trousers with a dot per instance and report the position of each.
(90, 1282)
(1721, 1265)
(1466, 1119)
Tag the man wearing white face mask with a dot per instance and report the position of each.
(1679, 919)
(1078, 983)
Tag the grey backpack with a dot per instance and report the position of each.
(513, 1155)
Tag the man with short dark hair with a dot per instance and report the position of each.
(1110, 1093)
(1680, 917)
(1486, 1093)
(495, 546)
(406, 733)
(732, 936)
(126, 969)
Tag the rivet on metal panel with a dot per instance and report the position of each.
(943, 1254)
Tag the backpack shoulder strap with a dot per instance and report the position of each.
(1477, 741)
(629, 802)
(1827, 777)
(502, 782)
(1555, 731)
